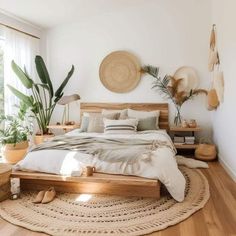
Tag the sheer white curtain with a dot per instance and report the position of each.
(22, 49)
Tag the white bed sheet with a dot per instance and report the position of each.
(160, 165)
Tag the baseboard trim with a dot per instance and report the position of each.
(227, 168)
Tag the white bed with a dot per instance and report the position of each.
(160, 165)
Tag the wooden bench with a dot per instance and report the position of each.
(98, 183)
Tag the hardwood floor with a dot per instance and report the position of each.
(217, 218)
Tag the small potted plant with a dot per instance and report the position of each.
(14, 135)
(43, 98)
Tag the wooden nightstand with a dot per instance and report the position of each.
(66, 128)
(182, 132)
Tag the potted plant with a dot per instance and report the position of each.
(43, 98)
(169, 88)
(14, 135)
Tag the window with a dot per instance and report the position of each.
(1, 76)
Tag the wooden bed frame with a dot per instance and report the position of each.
(100, 183)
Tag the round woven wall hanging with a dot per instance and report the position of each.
(120, 72)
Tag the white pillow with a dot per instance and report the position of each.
(128, 126)
(144, 114)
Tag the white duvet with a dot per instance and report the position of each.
(161, 165)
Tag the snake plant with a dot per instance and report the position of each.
(43, 98)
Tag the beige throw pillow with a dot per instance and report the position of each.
(144, 114)
(96, 124)
(122, 113)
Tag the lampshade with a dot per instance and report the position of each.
(68, 99)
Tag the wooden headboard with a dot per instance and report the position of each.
(163, 107)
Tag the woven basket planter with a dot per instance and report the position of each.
(13, 153)
(5, 186)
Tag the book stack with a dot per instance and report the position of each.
(189, 140)
(178, 140)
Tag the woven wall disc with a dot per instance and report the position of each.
(120, 72)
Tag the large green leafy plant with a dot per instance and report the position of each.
(16, 128)
(43, 98)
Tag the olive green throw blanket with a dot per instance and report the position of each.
(106, 149)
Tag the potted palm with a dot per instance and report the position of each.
(14, 135)
(43, 98)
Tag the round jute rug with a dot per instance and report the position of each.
(74, 214)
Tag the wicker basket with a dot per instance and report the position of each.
(5, 186)
(205, 152)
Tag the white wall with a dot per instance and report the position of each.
(224, 118)
(165, 33)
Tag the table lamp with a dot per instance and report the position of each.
(65, 101)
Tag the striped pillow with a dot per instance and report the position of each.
(128, 126)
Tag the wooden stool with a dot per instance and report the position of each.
(5, 185)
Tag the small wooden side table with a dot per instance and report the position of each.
(175, 129)
(66, 128)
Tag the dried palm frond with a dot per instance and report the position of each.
(180, 97)
(171, 90)
(176, 83)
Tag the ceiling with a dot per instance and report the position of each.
(50, 13)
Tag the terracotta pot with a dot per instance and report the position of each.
(13, 153)
(41, 138)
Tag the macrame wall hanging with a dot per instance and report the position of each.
(216, 92)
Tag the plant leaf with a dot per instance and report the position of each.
(43, 86)
(26, 99)
(58, 98)
(43, 73)
(64, 83)
(24, 78)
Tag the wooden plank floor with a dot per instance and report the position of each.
(217, 218)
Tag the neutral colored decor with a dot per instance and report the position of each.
(44, 98)
(120, 72)
(216, 92)
(212, 99)
(214, 59)
(5, 186)
(178, 90)
(206, 152)
(84, 214)
(218, 84)
(189, 78)
(15, 134)
(65, 101)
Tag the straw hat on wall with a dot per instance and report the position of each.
(189, 78)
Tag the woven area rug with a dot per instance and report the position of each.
(74, 214)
